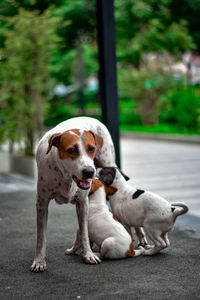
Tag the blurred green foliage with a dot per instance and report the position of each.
(181, 108)
(30, 40)
(45, 43)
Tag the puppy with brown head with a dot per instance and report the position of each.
(104, 230)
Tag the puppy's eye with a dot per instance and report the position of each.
(91, 149)
(73, 150)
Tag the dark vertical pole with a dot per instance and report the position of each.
(107, 72)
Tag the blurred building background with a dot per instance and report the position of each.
(49, 66)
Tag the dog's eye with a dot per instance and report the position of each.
(73, 150)
(91, 149)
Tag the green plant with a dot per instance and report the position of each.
(181, 107)
(30, 41)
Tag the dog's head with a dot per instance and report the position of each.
(77, 149)
(112, 176)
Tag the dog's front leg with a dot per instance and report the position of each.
(39, 263)
(142, 241)
(82, 208)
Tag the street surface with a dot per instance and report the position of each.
(171, 169)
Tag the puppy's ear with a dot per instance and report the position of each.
(54, 141)
(98, 140)
(124, 175)
(110, 190)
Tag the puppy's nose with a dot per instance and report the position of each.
(88, 173)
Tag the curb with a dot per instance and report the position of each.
(194, 139)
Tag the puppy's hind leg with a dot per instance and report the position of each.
(108, 248)
(159, 243)
(165, 238)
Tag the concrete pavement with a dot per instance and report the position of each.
(170, 169)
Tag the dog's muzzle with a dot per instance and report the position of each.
(85, 182)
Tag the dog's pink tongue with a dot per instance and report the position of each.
(85, 183)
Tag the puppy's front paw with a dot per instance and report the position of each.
(91, 258)
(70, 251)
(148, 247)
(39, 265)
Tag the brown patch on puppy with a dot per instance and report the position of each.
(110, 190)
(115, 218)
(96, 184)
(130, 252)
(67, 143)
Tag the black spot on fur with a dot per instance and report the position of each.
(142, 244)
(137, 194)
(173, 209)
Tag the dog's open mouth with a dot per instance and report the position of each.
(82, 184)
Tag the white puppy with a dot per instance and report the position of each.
(138, 208)
(107, 233)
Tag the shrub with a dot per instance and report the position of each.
(181, 107)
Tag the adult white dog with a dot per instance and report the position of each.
(67, 157)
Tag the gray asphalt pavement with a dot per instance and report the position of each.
(168, 168)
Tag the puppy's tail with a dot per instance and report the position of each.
(183, 209)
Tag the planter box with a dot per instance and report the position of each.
(4, 162)
(24, 165)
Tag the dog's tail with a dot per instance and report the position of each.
(183, 209)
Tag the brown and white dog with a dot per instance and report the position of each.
(107, 233)
(66, 158)
(139, 208)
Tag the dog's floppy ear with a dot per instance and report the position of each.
(54, 141)
(98, 140)
(110, 190)
(124, 175)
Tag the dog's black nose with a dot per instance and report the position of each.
(88, 173)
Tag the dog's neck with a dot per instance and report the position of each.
(98, 198)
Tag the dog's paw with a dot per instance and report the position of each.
(70, 251)
(148, 247)
(91, 258)
(39, 265)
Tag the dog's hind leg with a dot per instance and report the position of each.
(39, 263)
(108, 248)
(159, 243)
(165, 238)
